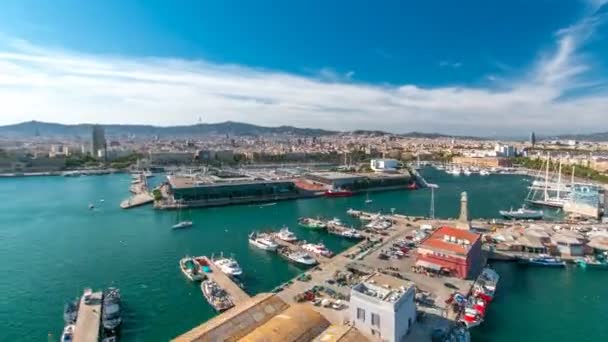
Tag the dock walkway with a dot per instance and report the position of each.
(137, 200)
(238, 295)
(89, 319)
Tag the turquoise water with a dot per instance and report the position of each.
(52, 246)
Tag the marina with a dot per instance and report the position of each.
(227, 229)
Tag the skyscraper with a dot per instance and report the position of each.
(98, 142)
(532, 139)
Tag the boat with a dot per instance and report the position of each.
(467, 172)
(588, 262)
(485, 285)
(111, 310)
(350, 233)
(191, 269)
(286, 235)
(455, 171)
(335, 222)
(216, 296)
(311, 223)
(412, 186)
(262, 241)
(484, 172)
(522, 214)
(367, 199)
(228, 265)
(300, 258)
(544, 260)
(68, 333)
(91, 206)
(338, 193)
(318, 248)
(182, 225)
(70, 312)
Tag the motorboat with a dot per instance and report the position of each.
(70, 312)
(262, 241)
(467, 172)
(522, 214)
(111, 309)
(182, 225)
(484, 172)
(91, 206)
(229, 266)
(589, 262)
(350, 233)
(311, 223)
(216, 296)
(367, 199)
(544, 260)
(286, 235)
(455, 171)
(300, 258)
(318, 248)
(485, 285)
(334, 222)
(191, 269)
(379, 224)
(68, 333)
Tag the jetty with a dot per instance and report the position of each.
(295, 246)
(89, 318)
(237, 294)
(137, 200)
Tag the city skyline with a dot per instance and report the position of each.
(538, 76)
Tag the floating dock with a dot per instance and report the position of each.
(237, 294)
(89, 319)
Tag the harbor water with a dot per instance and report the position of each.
(52, 246)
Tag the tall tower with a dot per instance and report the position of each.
(463, 219)
(532, 139)
(98, 141)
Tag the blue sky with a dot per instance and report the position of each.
(462, 67)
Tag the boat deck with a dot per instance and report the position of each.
(321, 259)
(89, 319)
(238, 295)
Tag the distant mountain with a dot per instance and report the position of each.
(583, 137)
(34, 128)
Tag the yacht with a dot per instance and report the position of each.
(334, 222)
(286, 235)
(300, 258)
(522, 213)
(70, 312)
(311, 223)
(111, 310)
(456, 171)
(318, 248)
(68, 333)
(216, 296)
(182, 225)
(544, 260)
(191, 269)
(229, 266)
(262, 241)
(484, 172)
(467, 172)
(350, 233)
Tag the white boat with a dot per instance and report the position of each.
(229, 266)
(91, 206)
(350, 233)
(334, 222)
(467, 172)
(379, 224)
(301, 258)
(367, 199)
(191, 269)
(262, 241)
(182, 225)
(68, 333)
(484, 172)
(318, 248)
(286, 235)
(456, 171)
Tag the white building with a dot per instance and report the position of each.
(384, 165)
(383, 307)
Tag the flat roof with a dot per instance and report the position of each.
(383, 287)
(332, 175)
(186, 182)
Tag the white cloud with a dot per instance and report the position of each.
(64, 86)
(449, 64)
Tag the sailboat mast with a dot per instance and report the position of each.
(559, 178)
(547, 177)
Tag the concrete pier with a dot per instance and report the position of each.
(294, 246)
(238, 295)
(137, 200)
(89, 319)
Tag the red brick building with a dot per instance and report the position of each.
(451, 250)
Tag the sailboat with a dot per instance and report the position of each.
(181, 223)
(551, 194)
(367, 199)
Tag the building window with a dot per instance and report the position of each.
(376, 320)
(361, 314)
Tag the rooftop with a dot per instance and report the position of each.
(331, 175)
(451, 240)
(184, 182)
(386, 288)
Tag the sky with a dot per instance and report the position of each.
(472, 67)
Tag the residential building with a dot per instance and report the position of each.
(453, 251)
(98, 142)
(383, 307)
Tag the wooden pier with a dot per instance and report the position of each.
(237, 294)
(89, 319)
